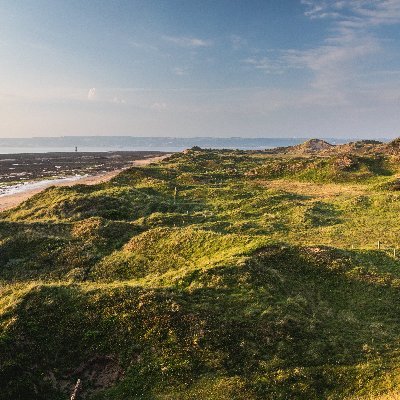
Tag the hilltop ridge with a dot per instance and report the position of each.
(310, 146)
(322, 147)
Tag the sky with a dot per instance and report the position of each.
(250, 68)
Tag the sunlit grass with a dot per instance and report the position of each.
(213, 275)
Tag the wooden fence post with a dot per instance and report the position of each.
(379, 245)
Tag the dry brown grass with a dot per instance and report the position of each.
(321, 190)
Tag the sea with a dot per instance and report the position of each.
(63, 149)
(128, 143)
(7, 190)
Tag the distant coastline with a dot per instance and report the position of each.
(130, 143)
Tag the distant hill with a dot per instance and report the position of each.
(310, 146)
(322, 147)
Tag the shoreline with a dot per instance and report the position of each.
(9, 201)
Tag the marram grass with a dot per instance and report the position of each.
(210, 275)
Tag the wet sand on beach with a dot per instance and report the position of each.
(13, 200)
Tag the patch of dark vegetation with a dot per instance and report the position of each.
(322, 214)
(340, 168)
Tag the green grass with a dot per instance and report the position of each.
(211, 275)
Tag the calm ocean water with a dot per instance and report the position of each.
(19, 150)
(104, 144)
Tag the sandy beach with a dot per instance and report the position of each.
(13, 200)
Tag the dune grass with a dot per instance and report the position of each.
(210, 275)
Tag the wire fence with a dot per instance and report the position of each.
(393, 251)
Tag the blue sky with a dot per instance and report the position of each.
(251, 68)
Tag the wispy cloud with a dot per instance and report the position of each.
(180, 71)
(320, 9)
(238, 42)
(190, 42)
(334, 63)
(350, 42)
(355, 13)
(142, 46)
(159, 106)
(269, 65)
(338, 66)
(118, 100)
(91, 94)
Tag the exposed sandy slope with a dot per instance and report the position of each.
(13, 200)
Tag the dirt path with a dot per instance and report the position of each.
(13, 200)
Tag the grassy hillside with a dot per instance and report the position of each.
(210, 275)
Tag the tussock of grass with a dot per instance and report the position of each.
(165, 250)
